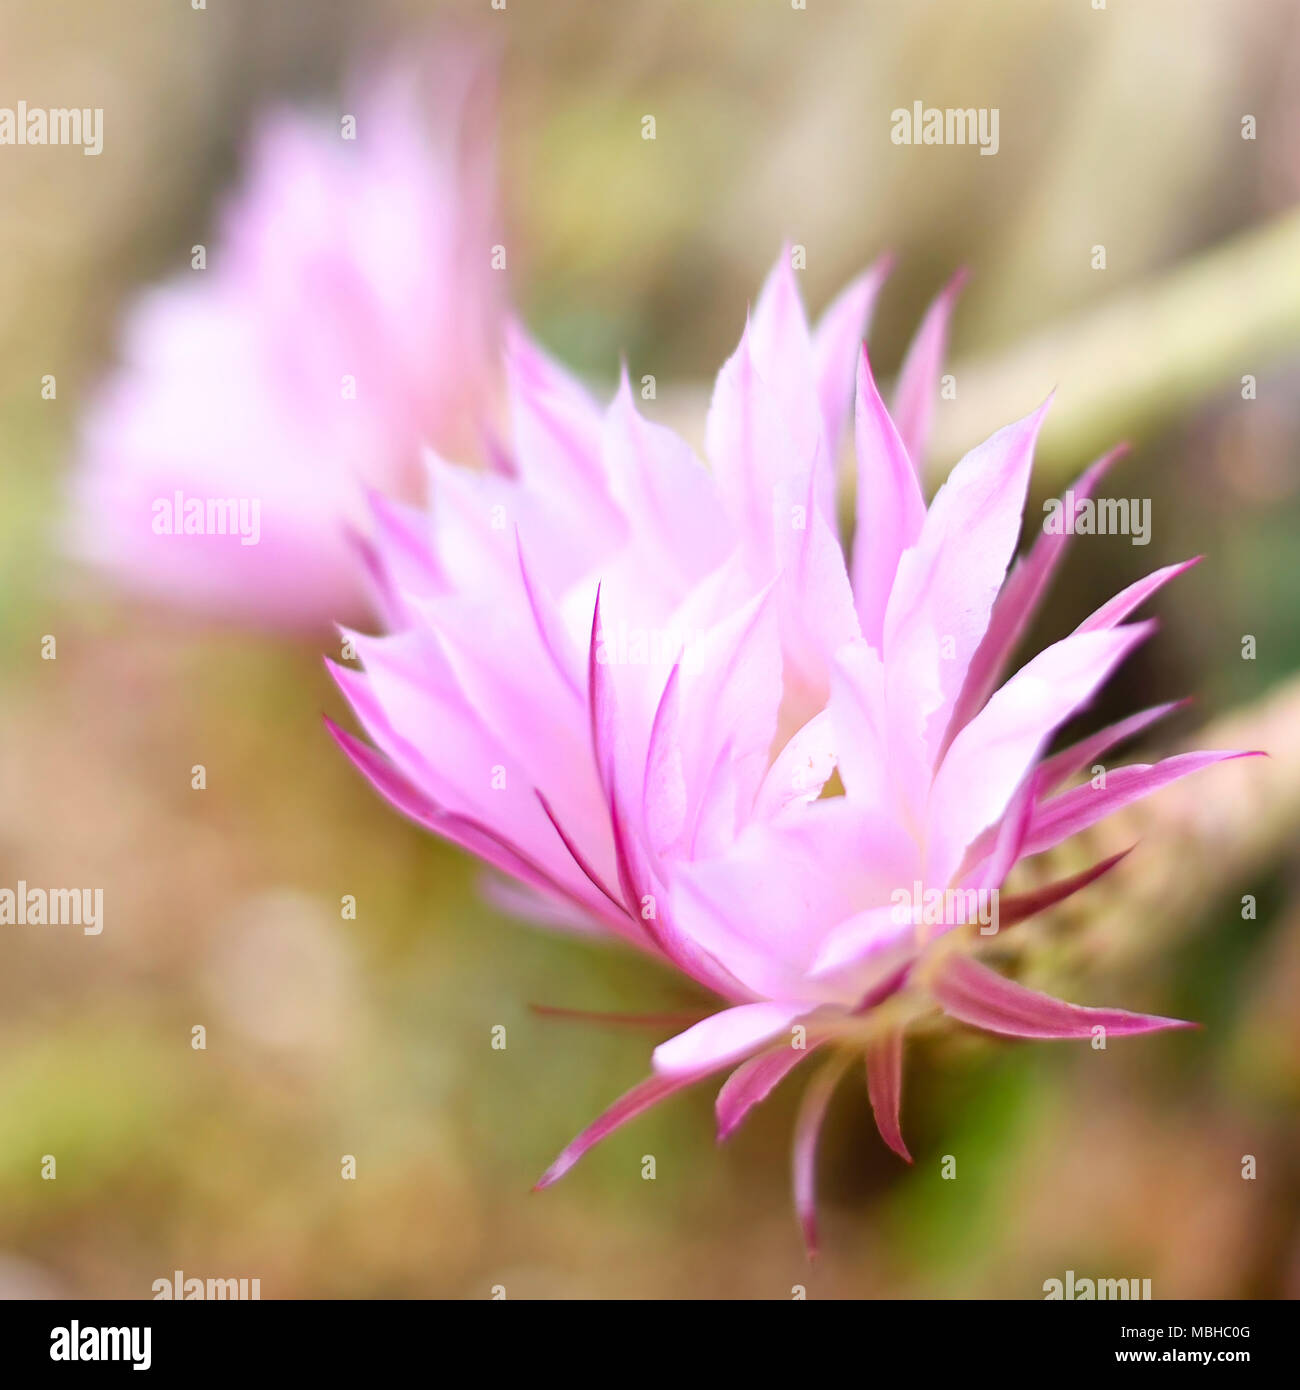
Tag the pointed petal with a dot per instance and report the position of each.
(555, 429)
(638, 1100)
(545, 373)
(783, 357)
(974, 994)
(939, 607)
(1009, 841)
(836, 340)
(579, 858)
(470, 835)
(815, 599)
(380, 773)
(752, 1082)
(918, 379)
(1060, 767)
(890, 508)
(722, 698)
(725, 1037)
(857, 710)
(1016, 604)
(994, 751)
(550, 626)
(1070, 812)
(1118, 608)
(885, 1088)
(1025, 905)
(536, 908)
(753, 453)
(660, 484)
(402, 537)
(807, 1130)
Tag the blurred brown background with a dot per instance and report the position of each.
(327, 1037)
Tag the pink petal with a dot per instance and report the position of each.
(836, 341)
(974, 994)
(784, 360)
(638, 1100)
(729, 690)
(800, 770)
(815, 601)
(402, 536)
(659, 484)
(469, 834)
(861, 722)
(871, 932)
(607, 744)
(1016, 604)
(579, 859)
(752, 1082)
(885, 1088)
(556, 434)
(890, 508)
(1009, 842)
(537, 908)
(764, 907)
(918, 379)
(1070, 812)
(1118, 608)
(992, 754)
(725, 1037)
(939, 608)
(1060, 767)
(551, 631)
(1025, 905)
(545, 373)
(752, 452)
(807, 1130)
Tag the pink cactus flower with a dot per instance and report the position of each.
(348, 313)
(630, 683)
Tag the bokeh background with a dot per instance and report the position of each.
(327, 1037)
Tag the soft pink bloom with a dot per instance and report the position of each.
(366, 258)
(625, 680)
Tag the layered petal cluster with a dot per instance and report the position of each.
(659, 698)
(346, 313)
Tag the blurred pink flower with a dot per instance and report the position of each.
(598, 649)
(348, 314)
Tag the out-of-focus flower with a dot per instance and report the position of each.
(658, 697)
(349, 313)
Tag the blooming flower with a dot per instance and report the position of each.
(632, 684)
(348, 313)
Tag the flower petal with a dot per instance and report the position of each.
(1070, 812)
(1016, 605)
(725, 1037)
(890, 508)
(1060, 767)
(638, 1100)
(939, 608)
(885, 1088)
(807, 1130)
(918, 379)
(1118, 608)
(1024, 905)
(752, 1082)
(972, 993)
(836, 341)
(992, 754)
